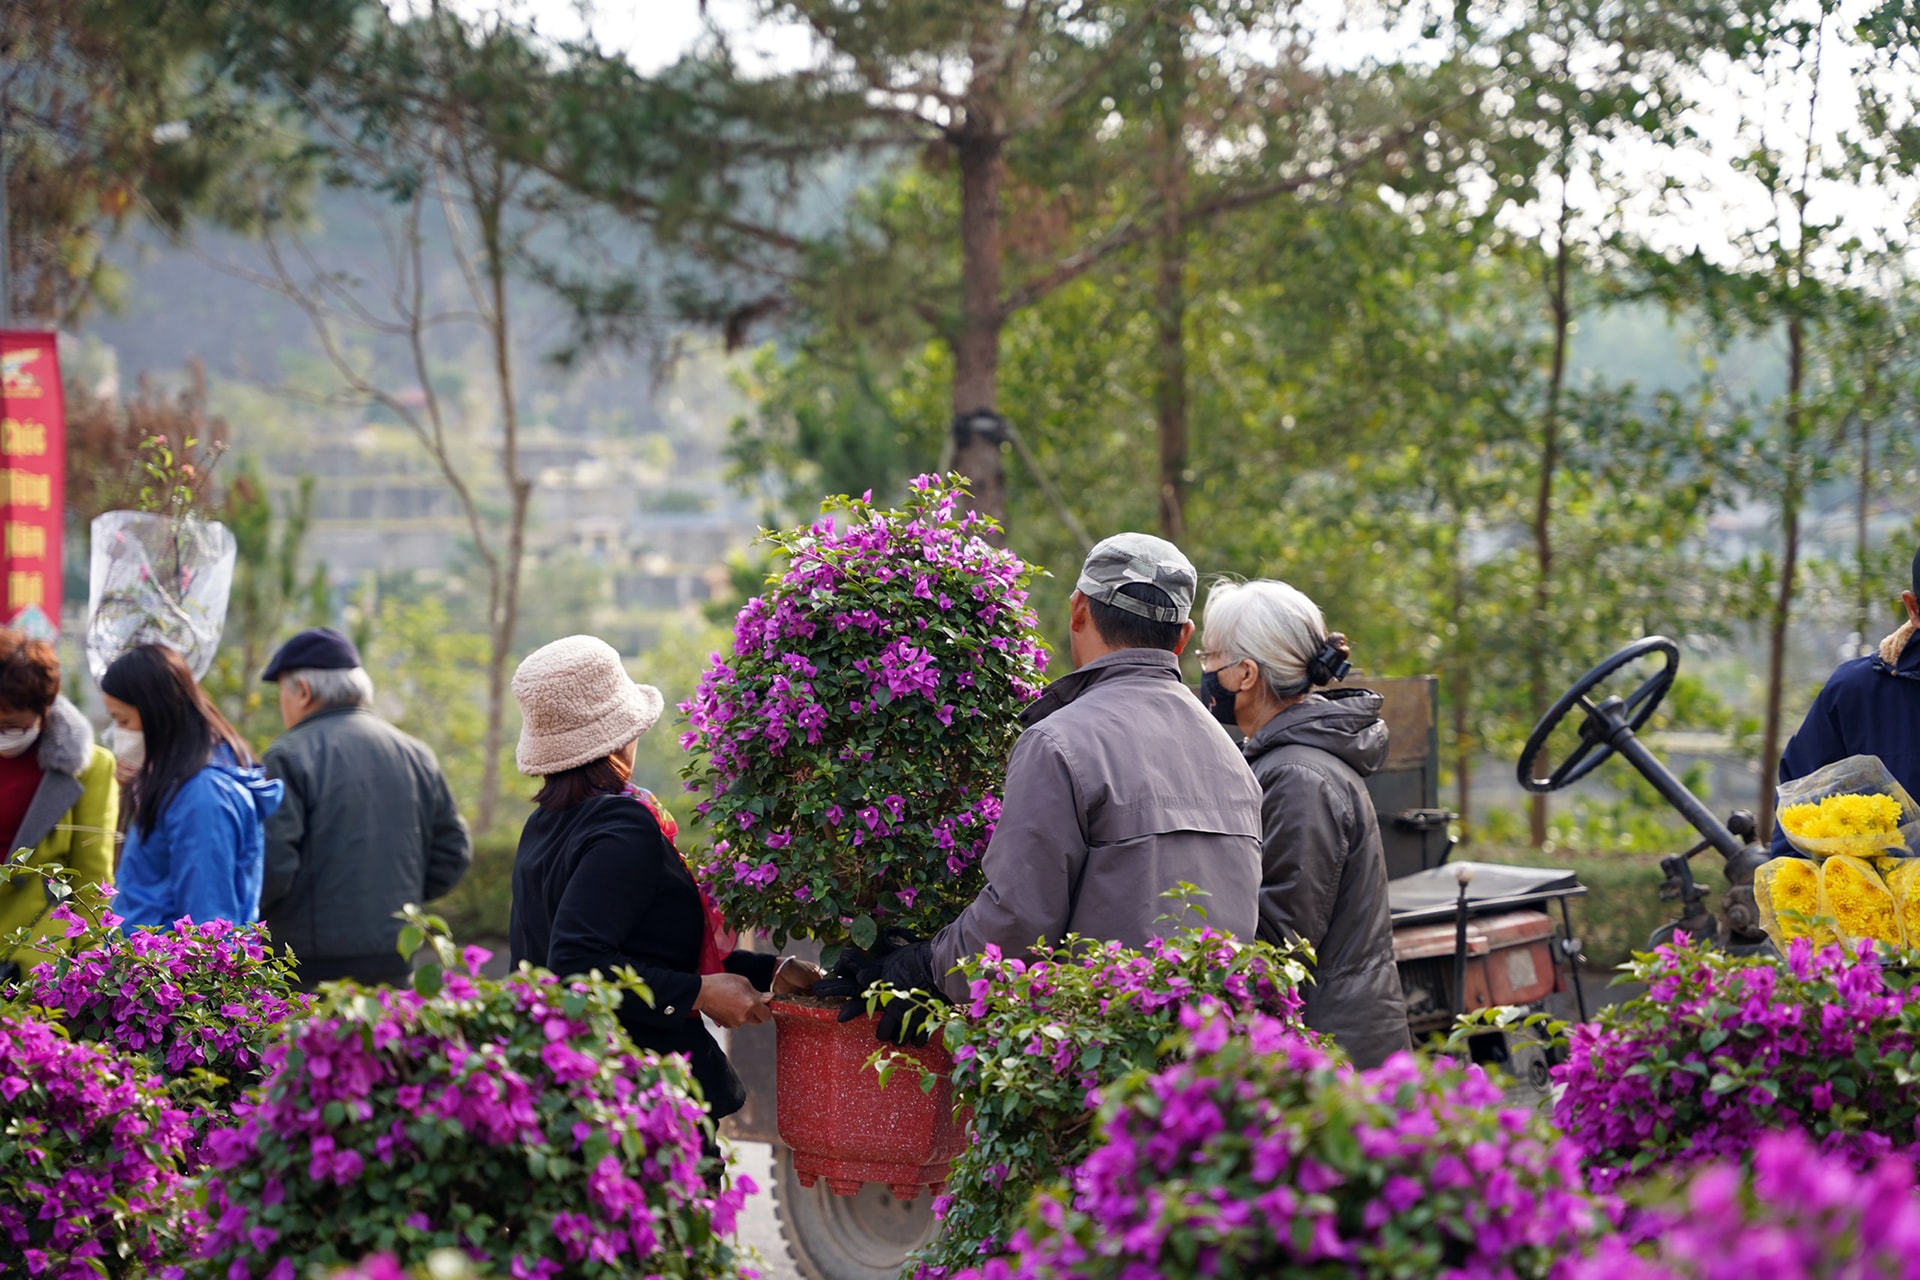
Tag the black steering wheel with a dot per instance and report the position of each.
(1603, 719)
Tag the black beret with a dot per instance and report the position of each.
(320, 649)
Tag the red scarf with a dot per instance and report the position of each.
(717, 942)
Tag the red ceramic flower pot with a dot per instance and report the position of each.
(842, 1125)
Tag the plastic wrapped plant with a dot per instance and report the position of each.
(851, 748)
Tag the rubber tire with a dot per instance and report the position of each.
(860, 1237)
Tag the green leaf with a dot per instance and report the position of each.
(865, 932)
(428, 979)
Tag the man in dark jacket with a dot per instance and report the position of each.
(367, 824)
(1120, 789)
(1869, 707)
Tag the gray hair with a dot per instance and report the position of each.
(1270, 622)
(337, 687)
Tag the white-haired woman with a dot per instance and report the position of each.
(1265, 658)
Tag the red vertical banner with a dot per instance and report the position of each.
(33, 481)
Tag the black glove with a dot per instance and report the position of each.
(856, 970)
(910, 1018)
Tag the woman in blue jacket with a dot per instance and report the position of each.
(196, 842)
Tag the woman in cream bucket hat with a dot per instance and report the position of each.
(597, 882)
(578, 705)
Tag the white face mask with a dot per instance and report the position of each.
(14, 742)
(129, 746)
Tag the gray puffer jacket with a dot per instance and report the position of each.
(1325, 874)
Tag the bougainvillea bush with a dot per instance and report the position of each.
(513, 1120)
(1043, 1034)
(201, 1002)
(1793, 1212)
(851, 748)
(1723, 1049)
(1262, 1154)
(91, 1156)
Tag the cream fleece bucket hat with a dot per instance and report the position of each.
(577, 704)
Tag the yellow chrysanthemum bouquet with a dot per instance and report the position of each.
(1848, 817)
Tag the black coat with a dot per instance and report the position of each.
(1326, 873)
(597, 886)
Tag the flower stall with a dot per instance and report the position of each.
(848, 755)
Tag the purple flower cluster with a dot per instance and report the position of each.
(1262, 1155)
(201, 1002)
(1044, 1034)
(852, 746)
(91, 1157)
(1722, 1050)
(511, 1120)
(1797, 1214)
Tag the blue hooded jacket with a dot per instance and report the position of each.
(204, 857)
(1868, 708)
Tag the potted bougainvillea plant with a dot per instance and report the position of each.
(848, 756)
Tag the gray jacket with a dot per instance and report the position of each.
(1120, 789)
(1326, 875)
(366, 827)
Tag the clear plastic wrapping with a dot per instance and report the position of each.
(156, 579)
(1856, 899)
(1787, 891)
(1853, 807)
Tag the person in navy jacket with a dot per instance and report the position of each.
(196, 843)
(1869, 707)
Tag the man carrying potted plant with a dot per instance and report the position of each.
(1120, 789)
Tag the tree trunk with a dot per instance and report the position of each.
(1542, 638)
(1170, 293)
(1460, 680)
(504, 597)
(976, 348)
(1863, 597)
(1782, 613)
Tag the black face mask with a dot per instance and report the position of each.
(1218, 699)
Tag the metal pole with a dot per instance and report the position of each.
(6, 244)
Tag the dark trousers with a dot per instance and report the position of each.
(387, 970)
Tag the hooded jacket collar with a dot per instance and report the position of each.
(66, 739)
(1121, 664)
(1344, 723)
(1907, 667)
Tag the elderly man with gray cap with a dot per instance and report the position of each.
(1120, 789)
(367, 824)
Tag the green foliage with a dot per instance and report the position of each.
(431, 680)
(481, 905)
(1044, 1035)
(117, 110)
(273, 595)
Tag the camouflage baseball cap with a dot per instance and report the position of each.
(1140, 557)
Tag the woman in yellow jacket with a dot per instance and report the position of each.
(58, 798)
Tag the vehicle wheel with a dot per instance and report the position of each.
(859, 1237)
